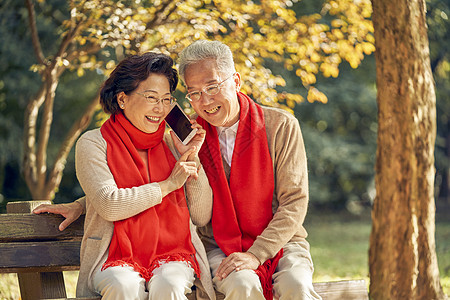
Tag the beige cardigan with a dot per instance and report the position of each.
(105, 203)
(290, 197)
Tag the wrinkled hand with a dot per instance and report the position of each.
(182, 170)
(197, 141)
(70, 211)
(235, 262)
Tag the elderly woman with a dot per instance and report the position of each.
(138, 242)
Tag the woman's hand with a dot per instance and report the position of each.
(70, 211)
(183, 169)
(196, 141)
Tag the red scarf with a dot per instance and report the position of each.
(151, 237)
(242, 209)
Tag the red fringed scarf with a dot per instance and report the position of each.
(148, 239)
(242, 209)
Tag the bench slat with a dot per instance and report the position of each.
(333, 290)
(348, 289)
(22, 227)
(78, 298)
(45, 256)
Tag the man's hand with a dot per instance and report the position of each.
(70, 211)
(237, 261)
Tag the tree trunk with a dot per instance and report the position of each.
(51, 180)
(402, 256)
(42, 183)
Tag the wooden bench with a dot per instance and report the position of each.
(33, 247)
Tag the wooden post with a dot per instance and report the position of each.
(35, 285)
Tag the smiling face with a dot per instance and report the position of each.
(221, 109)
(142, 114)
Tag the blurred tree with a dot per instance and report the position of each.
(402, 255)
(438, 13)
(341, 155)
(90, 34)
(340, 139)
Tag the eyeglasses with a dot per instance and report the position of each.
(153, 100)
(211, 90)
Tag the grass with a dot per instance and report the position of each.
(443, 253)
(339, 247)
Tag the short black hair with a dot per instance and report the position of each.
(130, 72)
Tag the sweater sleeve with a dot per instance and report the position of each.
(82, 202)
(291, 189)
(110, 202)
(199, 197)
(198, 191)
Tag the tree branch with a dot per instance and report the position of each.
(34, 35)
(52, 74)
(44, 131)
(86, 50)
(68, 38)
(77, 128)
(35, 161)
(29, 150)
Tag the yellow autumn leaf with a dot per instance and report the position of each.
(316, 95)
(80, 72)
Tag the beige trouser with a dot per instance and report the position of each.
(292, 278)
(171, 281)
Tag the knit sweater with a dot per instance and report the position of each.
(290, 197)
(105, 203)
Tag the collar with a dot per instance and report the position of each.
(233, 128)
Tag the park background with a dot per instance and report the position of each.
(340, 136)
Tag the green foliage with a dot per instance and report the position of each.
(340, 139)
(438, 14)
(16, 85)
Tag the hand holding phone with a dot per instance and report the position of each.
(180, 124)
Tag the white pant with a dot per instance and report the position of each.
(171, 281)
(292, 278)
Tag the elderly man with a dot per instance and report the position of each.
(255, 161)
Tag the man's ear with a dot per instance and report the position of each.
(237, 81)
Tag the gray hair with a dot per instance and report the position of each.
(203, 49)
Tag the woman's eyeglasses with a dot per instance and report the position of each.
(168, 100)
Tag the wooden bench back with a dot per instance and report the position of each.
(33, 243)
(33, 247)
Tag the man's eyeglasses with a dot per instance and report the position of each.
(211, 90)
(153, 100)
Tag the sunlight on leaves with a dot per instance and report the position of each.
(257, 32)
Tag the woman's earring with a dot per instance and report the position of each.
(122, 106)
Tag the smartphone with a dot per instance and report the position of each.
(180, 124)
